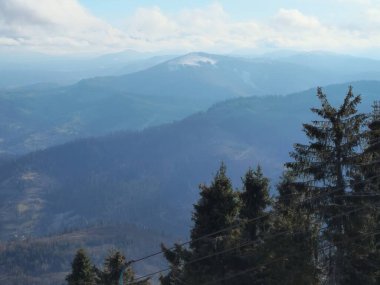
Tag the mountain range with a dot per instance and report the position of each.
(151, 176)
(38, 116)
(116, 160)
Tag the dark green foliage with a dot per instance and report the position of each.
(333, 143)
(292, 247)
(114, 263)
(255, 201)
(326, 166)
(83, 272)
(255, 219)
(216, 209)
(116, 268)
(364, 257)
(371, 167)
(176, 258)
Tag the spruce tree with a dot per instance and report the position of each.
(325, 166)
(114, 264)
(374, 186)
(371, 166)
(217, 209)
(364, 257)
(292, 247)
(116, 269)
(255, 219)
(255, 200)
(176, 258)
(82, 272)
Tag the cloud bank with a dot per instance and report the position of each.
(58, 26)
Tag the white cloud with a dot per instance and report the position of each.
(294, 19)
(5, 41)
(151, 24)
(65, 26)
(212, 28)
(191, 29)
(54, 25)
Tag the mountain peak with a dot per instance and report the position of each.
(194, 60)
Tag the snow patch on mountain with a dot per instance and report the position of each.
(192, 60)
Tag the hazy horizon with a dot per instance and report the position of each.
(82, 27)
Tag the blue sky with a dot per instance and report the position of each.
(115, 10)
(118, 9)
(102, 26)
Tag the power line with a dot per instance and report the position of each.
(310, 199)
(229, 228)
(252, 269)
(218, 253)
(269, 237)
(248, 243)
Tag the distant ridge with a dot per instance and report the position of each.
(148, 176)
(41, 115)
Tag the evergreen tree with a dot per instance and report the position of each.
(176, 258)
(325, 165)
(364, 257)
(115, 269)
(374, 165)
(82, 272)
(372, 152)
(217, 209)
(255, 201)
(114, 264)
(292, 249)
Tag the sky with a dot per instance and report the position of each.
(225, 26)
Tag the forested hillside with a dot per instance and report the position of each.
(133, 175)
(321, 226)
(46, 260)
(150, 177)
